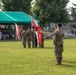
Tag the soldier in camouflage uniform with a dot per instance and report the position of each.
(23, 35)
(33, 37)
(58, 43)
(28, 34)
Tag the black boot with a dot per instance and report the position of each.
(24, 46)
(58, 61)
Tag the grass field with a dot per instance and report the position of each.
(16, 60)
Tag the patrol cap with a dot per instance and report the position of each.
(59, 25)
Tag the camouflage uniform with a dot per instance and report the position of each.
(33, 36)
(28, 34)
(58, 44)
(36, 42)
(23, 34)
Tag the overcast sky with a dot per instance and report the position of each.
(70, 3)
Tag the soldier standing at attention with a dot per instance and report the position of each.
(28, 34)
(33, 38)
(23, 34)
(58, 44)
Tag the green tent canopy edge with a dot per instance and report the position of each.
(9, 17)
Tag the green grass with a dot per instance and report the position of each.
(16, 60)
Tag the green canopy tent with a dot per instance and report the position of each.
(9, 17)
(14, 17)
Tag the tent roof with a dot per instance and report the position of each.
(7, 17)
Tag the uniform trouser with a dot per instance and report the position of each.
(58, 49)
(24, 42)
(29, 42)
(33, 42)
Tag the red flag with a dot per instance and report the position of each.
(32, 23)
(18, 30)
(35, 25)
(40, 37)
(38, 28)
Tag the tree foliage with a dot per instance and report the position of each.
(73, 12)
(1, 4)
(17, 5)
(51, 11)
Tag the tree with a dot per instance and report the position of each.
(51, 11)
(73, 12)
(1, 4)
(17, 5)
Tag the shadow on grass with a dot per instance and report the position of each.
(69, 65)
(48, 47)
(71, 62)
(12, 40)
(40, 48)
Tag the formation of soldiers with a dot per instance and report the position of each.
(29, 37)
(58, 35)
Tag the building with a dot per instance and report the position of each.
(68, 28)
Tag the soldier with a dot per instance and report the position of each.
(58, 44)
(33, 36)
(23, 34)
(28, 34)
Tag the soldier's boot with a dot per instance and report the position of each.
(42, 45)
(29, 45)
(58, 62)
(24, 46)
(39, 45)
(32, 45)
